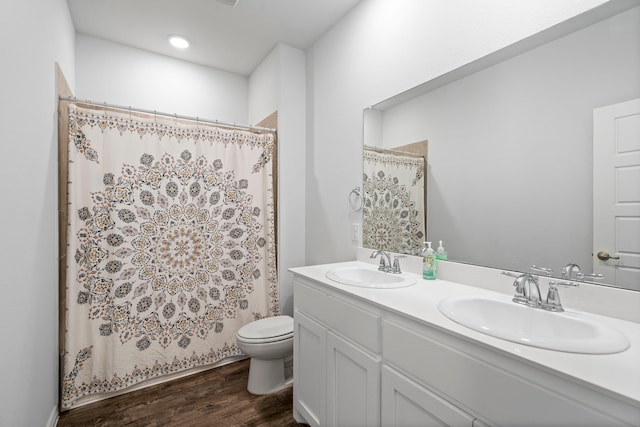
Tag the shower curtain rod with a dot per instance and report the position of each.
(391, 151)
(158, 113)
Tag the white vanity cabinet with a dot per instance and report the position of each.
(498, 389)
(336, 360)
(358, 362)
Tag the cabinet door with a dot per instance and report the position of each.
(353, 385)
(309, 369)
(406, 403)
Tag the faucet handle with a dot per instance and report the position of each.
(564, 284)
(552, 303)
(511, 274)
(542, 270)
(594, 276)
(396, 264)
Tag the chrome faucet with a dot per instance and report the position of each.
(384, 265)
(385, 262)
(525, 293)
(572, 271)
(528, 291)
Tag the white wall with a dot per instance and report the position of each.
(36, 34)
(510, 147)
(279, 84)
(291, 168)
(122, 75)
(264, 87)
(379, 49)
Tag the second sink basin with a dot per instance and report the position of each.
(369, 277)
(568, 332)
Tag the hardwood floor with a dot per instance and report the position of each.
(217, 397)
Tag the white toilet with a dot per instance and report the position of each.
(268, 342)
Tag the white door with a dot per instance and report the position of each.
(616, 193)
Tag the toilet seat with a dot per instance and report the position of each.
(269, 329)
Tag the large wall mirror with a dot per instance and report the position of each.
(508, 166)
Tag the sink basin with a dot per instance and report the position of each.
(365, 277)
(568, 332)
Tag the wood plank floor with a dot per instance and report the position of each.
(217, 397)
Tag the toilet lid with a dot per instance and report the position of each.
(274, 328)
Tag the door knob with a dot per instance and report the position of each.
(604, 256)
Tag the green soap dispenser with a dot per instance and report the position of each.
(441, 253)
(429, 262)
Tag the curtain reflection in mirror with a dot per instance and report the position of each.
(394, 205)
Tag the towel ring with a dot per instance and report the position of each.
(355, 199)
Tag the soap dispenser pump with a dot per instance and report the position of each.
(441, 253)
(429, 262)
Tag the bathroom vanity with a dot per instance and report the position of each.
(371, 357)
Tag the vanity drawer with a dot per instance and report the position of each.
(358, 325)
(310, 300)
(495, 386)
(340, 314)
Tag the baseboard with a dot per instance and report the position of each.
(53, 417)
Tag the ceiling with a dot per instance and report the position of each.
(234, 39)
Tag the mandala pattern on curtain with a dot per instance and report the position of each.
(393, 202)
(171, 247)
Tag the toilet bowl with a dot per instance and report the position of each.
(268, 342)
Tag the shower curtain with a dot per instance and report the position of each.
(393, 202)
(170, 246)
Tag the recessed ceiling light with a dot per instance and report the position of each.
(231, 3)
(178, 41)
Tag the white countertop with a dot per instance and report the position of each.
(616, 373)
